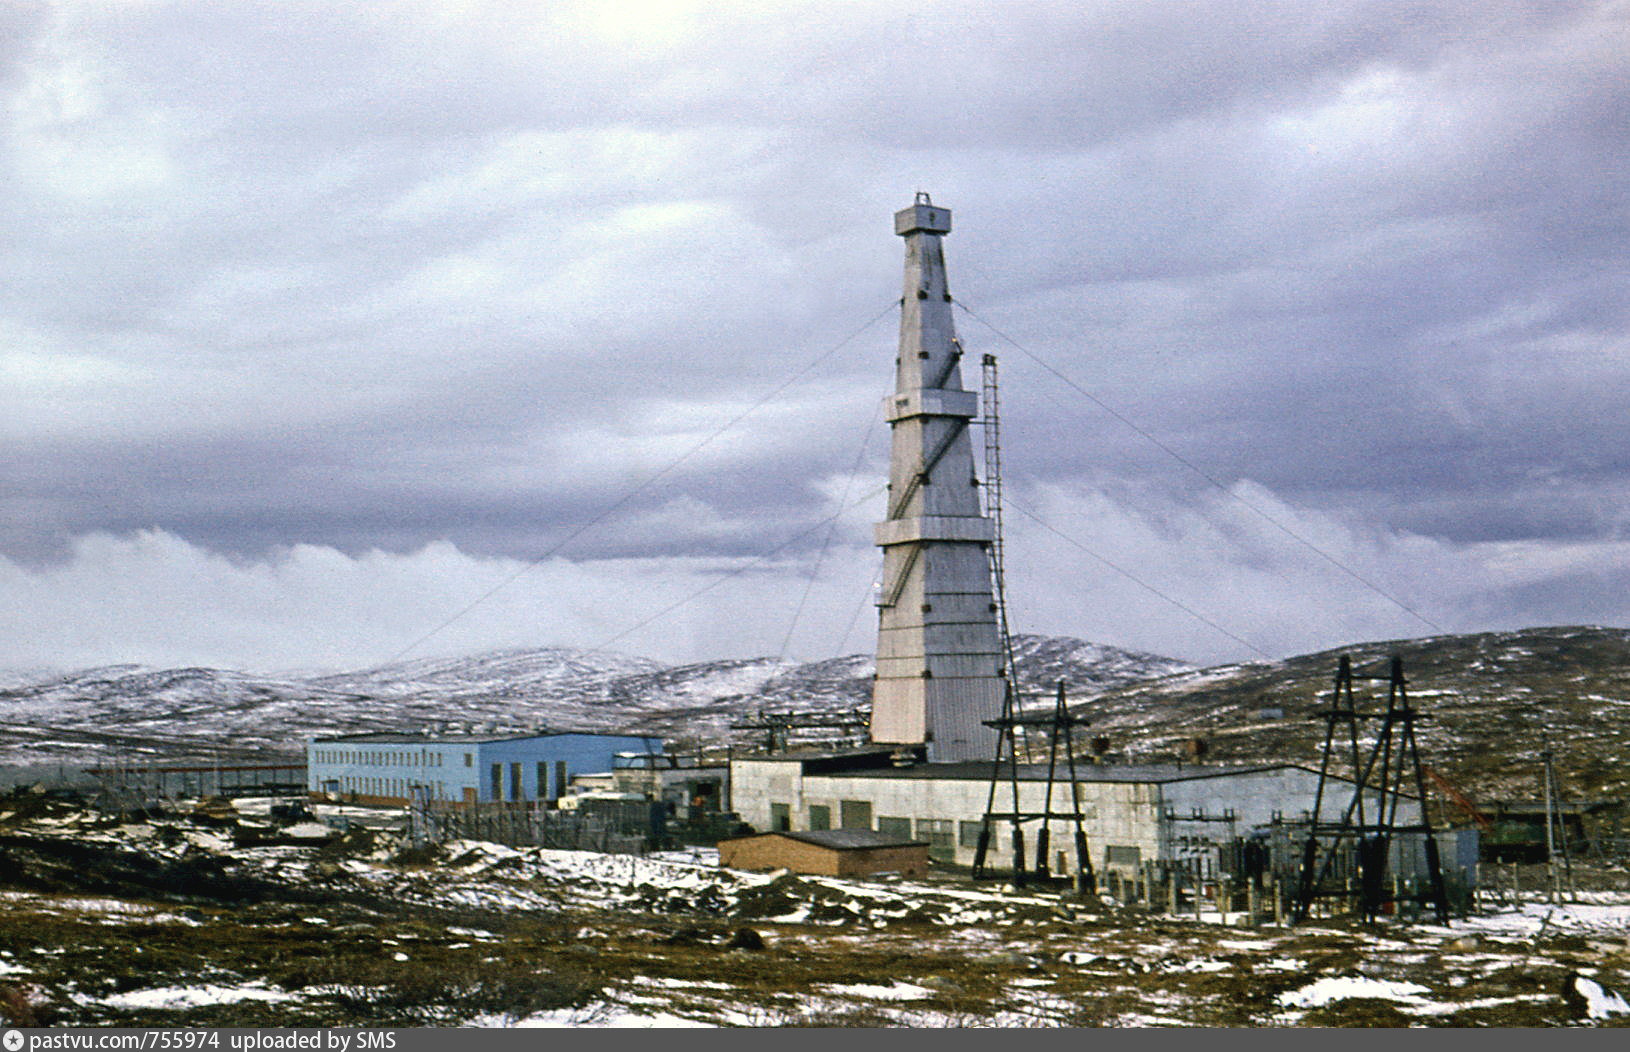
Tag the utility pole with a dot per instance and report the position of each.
(1553, 892)
(1553, 813)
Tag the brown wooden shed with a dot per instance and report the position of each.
(829, 852)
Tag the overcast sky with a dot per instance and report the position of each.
(323, 324)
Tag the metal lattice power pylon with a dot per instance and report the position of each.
(1363, 837)
(1060, 725)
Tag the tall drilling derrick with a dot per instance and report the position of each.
(939, 653)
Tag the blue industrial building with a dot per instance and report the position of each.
(387, 768)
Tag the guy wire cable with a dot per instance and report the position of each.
(1130, 576)
(631, 493)
(826, 542)
(736, 571)
(1169, 451)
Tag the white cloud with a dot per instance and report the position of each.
(152, 597)
(1234, 567)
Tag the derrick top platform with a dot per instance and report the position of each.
(922, 217)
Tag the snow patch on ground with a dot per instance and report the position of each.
(681, 984)
(1606, 915)
(597, 1016)
(898, 991)
(179, 997)
(113, 911)
(1600, 1002)
(1340, 988)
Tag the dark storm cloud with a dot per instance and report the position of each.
(282, 274)
(1419, 304)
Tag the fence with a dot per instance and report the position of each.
(630, 827)
(127, 786)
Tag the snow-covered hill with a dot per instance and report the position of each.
(1489, 702)
(132, 713)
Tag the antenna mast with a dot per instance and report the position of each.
(993, 510)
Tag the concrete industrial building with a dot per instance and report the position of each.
(1132, 814)
(940, 680)
(386, 768)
